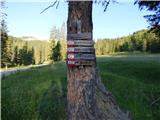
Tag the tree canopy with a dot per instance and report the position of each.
(154, 18)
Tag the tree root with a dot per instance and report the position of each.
(106, 103)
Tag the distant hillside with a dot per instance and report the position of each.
(29, 38)
(40, 47)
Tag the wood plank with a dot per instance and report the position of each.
(80, 49)
(72, 56)
(80, 62)
(82, 36)
(80, 42)
(84, 63)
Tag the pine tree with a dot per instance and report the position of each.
(4, 36)
(63, 49)
(57, 52)
(52, 45)
(15, 56)
(154, 18)
(32, 54)
(63, 31)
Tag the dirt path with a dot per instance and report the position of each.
(8, 72)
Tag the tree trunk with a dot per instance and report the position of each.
(87, 97)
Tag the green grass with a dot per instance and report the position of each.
(135, 82)
(40, 93)
(12, 68)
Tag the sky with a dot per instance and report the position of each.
(24, 18)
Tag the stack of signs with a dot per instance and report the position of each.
(80, 49)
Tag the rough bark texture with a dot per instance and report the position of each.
(87, 96)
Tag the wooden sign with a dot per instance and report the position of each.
(80, 50)
(80, 62)
(85, 56)
(80, 43)
(81, 36)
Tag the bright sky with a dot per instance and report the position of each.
(24, 19)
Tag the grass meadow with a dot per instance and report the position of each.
(40, 93)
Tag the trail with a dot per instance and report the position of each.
(4, 73)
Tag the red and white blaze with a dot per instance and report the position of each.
(71, 62)
(70, 43)
(70, 49)
(71, 56)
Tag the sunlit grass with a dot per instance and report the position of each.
(12, 68)
(40, 93)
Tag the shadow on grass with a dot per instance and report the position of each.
(52, 105)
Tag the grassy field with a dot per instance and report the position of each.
(40, 93)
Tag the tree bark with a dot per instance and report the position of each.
(87, 97)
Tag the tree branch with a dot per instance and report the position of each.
(106, 3)
(51, 6)
(57, 4)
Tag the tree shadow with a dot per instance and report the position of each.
(53, 103)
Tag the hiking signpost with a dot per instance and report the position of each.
(80, 49)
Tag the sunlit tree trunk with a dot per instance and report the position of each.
(87, 97)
